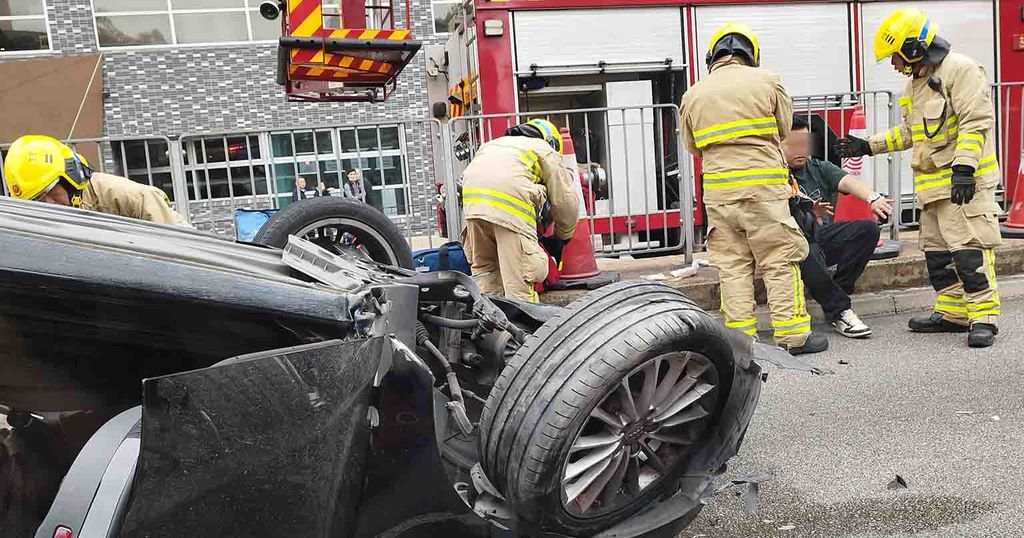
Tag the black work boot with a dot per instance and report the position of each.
(935, 323)
(982, 335)
(816, 343)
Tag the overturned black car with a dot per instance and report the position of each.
(161, 382)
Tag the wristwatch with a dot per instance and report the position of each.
(874, 196)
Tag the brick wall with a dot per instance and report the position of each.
(187, 90)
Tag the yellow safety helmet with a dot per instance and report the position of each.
(748, 46)
(35, 164)
(549, 132)
(907, 32)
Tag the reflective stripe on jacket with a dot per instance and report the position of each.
(734, 119)
(509, 180)
(950, 125)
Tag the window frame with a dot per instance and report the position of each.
(250, 8)
(192, 146)
(433, 27)
(46, 24)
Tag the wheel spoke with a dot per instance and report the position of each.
(594, 441)
(649, 386)
(626, 395)
(598, 458)
(695, 413)
(585, 499)
(671, 439)
(654, 458)
(633, 476)
(611, 490)
(684, 401)
(665, 386)
(607, 418)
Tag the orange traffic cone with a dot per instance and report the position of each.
(1013, 228)
(578, 259)
(850, 207)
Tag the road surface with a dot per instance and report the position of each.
(948, 419)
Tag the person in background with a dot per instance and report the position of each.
(41, 168)
(948, 119)
(507, 191)
(321, 189)
(848, 245)
(734, 120)
(299, 193)
(353, 186)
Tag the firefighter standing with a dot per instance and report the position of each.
(734, 119)
(42, 168)
(506, 186)
(948, 119)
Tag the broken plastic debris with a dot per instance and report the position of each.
(656, 276)
(843, 361)
(995, 418)
(965, 412)
(787, 527)
(897, 483)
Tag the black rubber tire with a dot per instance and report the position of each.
(547, 391)
(394, 250)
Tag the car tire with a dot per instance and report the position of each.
(544, 408)
(375, 231)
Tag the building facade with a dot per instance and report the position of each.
(193, 82)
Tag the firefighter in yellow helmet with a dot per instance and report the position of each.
(511, 182)
(41, 168)
(734, 119)
(949, 121)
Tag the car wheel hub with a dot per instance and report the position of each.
(639, 432)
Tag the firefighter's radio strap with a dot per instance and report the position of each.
(935, 83)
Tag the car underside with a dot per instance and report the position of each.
(161, 382)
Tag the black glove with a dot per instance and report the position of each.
(852, 146)
(554, 246)
(963, 185)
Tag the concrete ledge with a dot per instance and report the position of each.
(906, 272)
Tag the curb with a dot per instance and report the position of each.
(890, 303)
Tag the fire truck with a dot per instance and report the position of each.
(505, 60)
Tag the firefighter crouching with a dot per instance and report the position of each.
(734, 119)
(948, 120)
(506, 186)
(42, 168)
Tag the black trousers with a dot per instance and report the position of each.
(849, 246)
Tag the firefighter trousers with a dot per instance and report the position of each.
(959, 245)
(746, 235)
(504, 262)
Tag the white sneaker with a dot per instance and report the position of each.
(850, 326)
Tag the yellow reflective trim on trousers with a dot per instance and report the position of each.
(748, 326)
(798, 294)
(974, 307)
(942, 306)
(735, 129)
(990, 262)
(534, 296)
(951, 299)
(798, 327)
(744, 178)
(792, 322)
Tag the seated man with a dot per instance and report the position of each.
(848, 245)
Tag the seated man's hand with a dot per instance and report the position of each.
(882, 207)
(823, 209)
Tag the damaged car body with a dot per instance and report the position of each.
(161, 382)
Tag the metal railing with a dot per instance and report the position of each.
(1008, 98)
(643, 203)
(883, 173)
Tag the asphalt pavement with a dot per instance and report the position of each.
(948, 419)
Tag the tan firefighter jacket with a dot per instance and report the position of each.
(734, 119)
(948, 119)
(121, 196)
(509, 180)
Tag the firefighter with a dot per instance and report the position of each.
(734, 119)
(38, 167)
(948, 119)
(506, 188)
